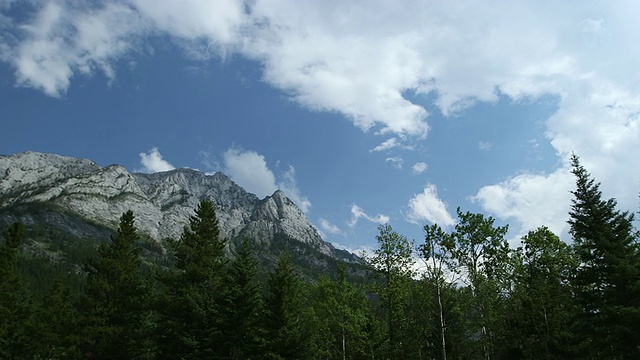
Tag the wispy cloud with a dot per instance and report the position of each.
(485, 145)
(386, 145)
(326, 227)
(419, 168)
(358, 213)
(152, 162)
(396, 161)
(289, 185)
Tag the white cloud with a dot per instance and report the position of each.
(361, 61)
(329, 228)
(591, 25)
(532, 200)
(289, 185)
(249, 170)
(485, 145)
(60, 42)
(153, 162)
(427, 206)
(419, 168)
(396, 161)
(386, 145)
(357, 213)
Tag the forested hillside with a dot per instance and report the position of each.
(474, 297)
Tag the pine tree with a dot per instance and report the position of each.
(115, 307)
(57, 322)
(244, 308)
(194, 292)
(285, 322)
(607, 281)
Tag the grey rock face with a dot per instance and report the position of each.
(162, 202)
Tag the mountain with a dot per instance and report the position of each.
(80, 198)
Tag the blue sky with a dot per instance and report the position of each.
(392, 112)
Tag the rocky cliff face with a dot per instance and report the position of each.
(162, 202)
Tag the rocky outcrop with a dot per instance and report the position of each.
(162, 202)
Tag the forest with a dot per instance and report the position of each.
(473, 297)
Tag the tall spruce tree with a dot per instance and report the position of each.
(243, 336)
(116, 303)
(285, 322)
(194, 292)
(607, 282)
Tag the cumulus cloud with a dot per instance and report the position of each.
(358, 213)
(427, 206)
(250, 170)
(532, 200)
(419, 168)
(152, 162)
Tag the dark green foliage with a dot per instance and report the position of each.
(341, 318)
(116, 305)
(607, 282)
(243, 337)
(479, 254)
(194, 293)
(475, 299)
(15, 309)
(285, 323)
(55, 325)
(540, 309)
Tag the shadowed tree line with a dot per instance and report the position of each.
(473, 297)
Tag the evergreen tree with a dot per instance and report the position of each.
(244, 308)
(607, 282)
(285, 323)
(57, 321)
(194, 292)
(15, 310)
(115, 307)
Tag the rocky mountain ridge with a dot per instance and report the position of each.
(162, 202)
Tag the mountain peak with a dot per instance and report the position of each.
(163, 202)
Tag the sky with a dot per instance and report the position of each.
(362, 112)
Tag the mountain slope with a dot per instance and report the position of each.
(34, 186)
